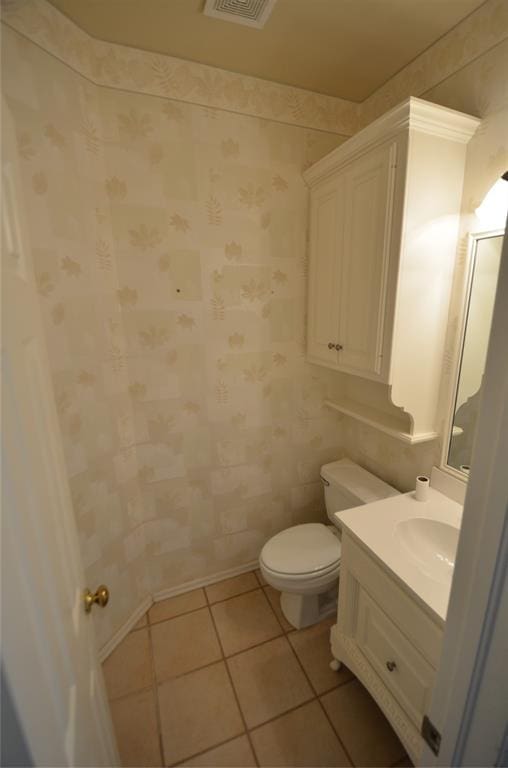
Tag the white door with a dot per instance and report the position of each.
(326, 232)
(48, 648)
(364, 261)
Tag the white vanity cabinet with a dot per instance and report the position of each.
(384, 209)
(387, 640)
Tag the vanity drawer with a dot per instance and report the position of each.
(424, 634)
(402, 668)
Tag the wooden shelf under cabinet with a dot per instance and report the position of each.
(380, 420)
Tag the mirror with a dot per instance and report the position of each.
(485, 260)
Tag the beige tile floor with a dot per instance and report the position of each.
(217, 677)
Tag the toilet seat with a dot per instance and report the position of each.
(308, 551)
(308, 577)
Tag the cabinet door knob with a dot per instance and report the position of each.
(391, 665)
(338, 347)
(331, 345)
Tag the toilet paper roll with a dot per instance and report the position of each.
(422, 488)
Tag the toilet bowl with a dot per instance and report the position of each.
(303, 562)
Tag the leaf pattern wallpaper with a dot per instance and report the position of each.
(169, 242)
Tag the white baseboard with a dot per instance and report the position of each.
(163, 594)
(126, 627)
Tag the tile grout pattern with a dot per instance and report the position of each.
(316, 697)
(156, 698)
(245, 597)
(227, 667)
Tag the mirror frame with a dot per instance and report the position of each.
(458, 344)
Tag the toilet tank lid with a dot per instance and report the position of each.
(361, 484)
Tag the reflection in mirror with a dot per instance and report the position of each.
(485, 268)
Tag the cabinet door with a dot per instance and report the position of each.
(326, 232)
(400, 666)
(364, 261)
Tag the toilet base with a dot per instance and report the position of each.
(304, 610)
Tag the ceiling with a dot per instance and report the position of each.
(345, 48)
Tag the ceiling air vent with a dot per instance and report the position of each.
(251, 13)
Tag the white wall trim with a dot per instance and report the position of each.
(163, 594)
(126, 627)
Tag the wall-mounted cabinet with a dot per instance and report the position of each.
(384, 220)
(350, 234)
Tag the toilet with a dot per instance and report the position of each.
(303, 562)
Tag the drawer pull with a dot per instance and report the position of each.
(391, 665)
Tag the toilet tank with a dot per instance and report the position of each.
(348, 485)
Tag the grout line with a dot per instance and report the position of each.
(194, 610)
(198, 669)
(189, 672)
(232, 597)
(259, 576)
(282, 714)
(204, 751)
(334, 687)
(316, 696)
(334, 729)
(279, 622)
(156, 694)
(176, 616)
(235, 694)
(247, 731)
(256, 645)
(223, 657)
(208, 664)
(159, 683)
(291, 629)
(123, 696)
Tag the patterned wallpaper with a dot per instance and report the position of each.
(208, 215)
(170, 248)
(170, 245)
(118, 66)
(463, 46)
(77, 281)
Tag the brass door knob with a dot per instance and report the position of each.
(338, 347)
(331, 345)
(100, 596)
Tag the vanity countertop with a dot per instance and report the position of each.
(409, 549)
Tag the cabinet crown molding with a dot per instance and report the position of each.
(384, 215)
(413, 114)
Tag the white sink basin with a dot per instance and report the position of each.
(431, 544)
